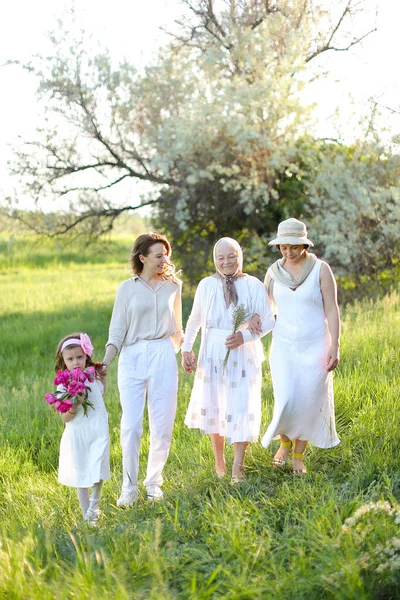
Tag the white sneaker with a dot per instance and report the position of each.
(154, 493)
(126, 499)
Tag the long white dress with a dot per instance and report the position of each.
(227, 402)
(303, 389)
(85, 444)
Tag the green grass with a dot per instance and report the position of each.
(20, 248)
(40, 253)
(271, 537)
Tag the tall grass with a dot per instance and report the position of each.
(32, 252)
(271, 537)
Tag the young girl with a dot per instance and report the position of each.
(85, 444)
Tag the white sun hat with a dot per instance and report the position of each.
(291, 232)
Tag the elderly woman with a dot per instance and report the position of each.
(146, 323)
(304, 349)
(226, 399)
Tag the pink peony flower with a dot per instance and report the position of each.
(73, 383)
(62, 378)
(63, 406)
(81, 375)
(74, 375)
(88, 374)
(77, 375)
(75, 388)
(50, 398)
(86, 344)
(91, 371)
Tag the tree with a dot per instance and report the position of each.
(213, 125)
(355, 199)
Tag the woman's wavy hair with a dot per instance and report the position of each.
(60, 364)
(142, 247)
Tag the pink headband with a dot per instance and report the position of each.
(84, 343)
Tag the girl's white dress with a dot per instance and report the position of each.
(85, 443)
(227, 402)
(303, 389)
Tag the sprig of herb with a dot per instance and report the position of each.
(240, 314)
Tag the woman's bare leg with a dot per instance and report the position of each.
(218, 446)
(239, 451)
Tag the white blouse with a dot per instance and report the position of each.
(143, 313)
(209, 308)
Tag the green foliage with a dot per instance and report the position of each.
(215, 126)
(237, 128)
(354, 200)
(272, 537)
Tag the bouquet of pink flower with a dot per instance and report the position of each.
(75, 384)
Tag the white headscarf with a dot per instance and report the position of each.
(228, 281)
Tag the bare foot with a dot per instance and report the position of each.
(237, 473)
(281, 456)
(298, 466)
(220, 468)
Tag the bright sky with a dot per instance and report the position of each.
(131, 28)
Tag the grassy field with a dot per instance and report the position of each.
(333, 535)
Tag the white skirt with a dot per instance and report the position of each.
(227, 402)
(303, 390)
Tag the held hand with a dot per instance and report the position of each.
(80, 398)
(189, 362)
(103, 372)
(254, 325)
(234, 340)
(103, 378)
(332, 359)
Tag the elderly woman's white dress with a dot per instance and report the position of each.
(303, 389)
(227, 402)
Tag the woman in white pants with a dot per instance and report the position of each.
(226, 402)
(146, 328)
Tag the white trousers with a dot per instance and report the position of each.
(147, 365)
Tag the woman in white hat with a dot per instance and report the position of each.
(226, 402)
(304, 349)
